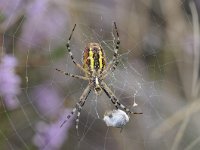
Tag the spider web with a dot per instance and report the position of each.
(149, 74)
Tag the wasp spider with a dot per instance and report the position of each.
(95, 69)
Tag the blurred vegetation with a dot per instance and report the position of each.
(159, 56)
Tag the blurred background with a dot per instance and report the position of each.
(158, 69)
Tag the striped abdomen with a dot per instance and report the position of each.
(93, 58)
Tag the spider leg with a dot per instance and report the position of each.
(70, 53)
(114, 65)
(78, 107)
(116, 49)
(72, 75)
(114, 99)
(114, 62)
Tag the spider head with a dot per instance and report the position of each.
(98, 90)
(97, 87)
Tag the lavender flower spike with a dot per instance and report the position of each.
(9, 82)
(51, 136)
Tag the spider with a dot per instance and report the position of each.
(96, 70)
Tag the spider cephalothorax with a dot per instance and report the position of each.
(95, 69)
(96, 84)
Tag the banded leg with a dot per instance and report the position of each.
(114, 62)
(72, 75)
(114, 99)
(115, 65)
(70, 53)
(78, 107)
(109, 96)
(115, 56)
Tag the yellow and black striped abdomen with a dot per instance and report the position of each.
(93, 58)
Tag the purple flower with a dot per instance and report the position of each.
(47, 100)
(11, 10)
(9, 81)
(45, 22)
(51, 136)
